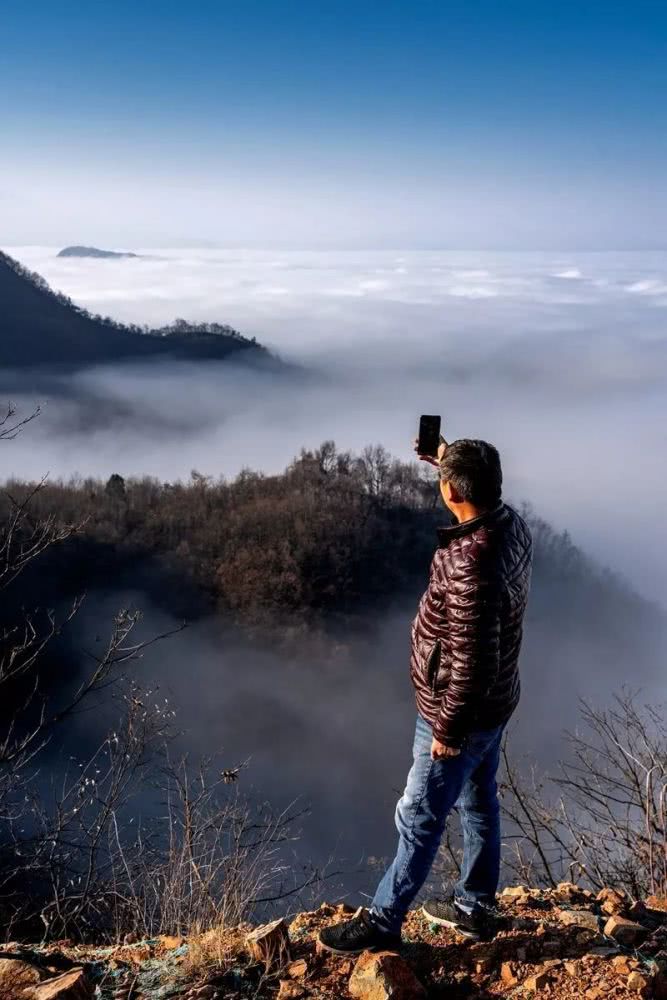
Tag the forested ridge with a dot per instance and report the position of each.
(333, 536)
(39, 326)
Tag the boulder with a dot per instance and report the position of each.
(384, 975)
(72, 985)
(625, 932)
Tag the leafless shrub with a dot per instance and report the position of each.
(603, 817)
(128, 842)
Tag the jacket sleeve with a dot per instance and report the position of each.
(473, 604)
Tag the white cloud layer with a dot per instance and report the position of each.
(560, 359)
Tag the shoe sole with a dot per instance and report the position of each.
(355, 951)
(472, 935)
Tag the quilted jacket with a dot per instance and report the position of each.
(467, 633)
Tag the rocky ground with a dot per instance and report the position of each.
(562, 943)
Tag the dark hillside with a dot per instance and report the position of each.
(39, 327)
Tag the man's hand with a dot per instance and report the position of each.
(439, 750)
(431, 459)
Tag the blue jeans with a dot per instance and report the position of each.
(433, 788)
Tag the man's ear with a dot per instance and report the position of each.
(452, 494)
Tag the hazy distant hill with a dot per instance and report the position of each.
(93, 252)
(40, 327)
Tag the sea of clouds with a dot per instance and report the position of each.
(560, 359)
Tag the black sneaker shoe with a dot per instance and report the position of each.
(480, 925)
(356, 935)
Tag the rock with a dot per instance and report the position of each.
(612, 901)
(625, 932)
(657, 903)
(508, 974)
(638, 983)
(384, 975)
(568, 891)
(596, 993)
(521, 954)
(578, 918)
(518, 893)
(573, 969)
(297, 969)
(17, 974)
(621, 965)
(72, 985)
(270, 944)
(538, 981)
(290, 991)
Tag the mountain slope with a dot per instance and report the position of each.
(39, 327)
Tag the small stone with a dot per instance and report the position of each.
(508, 974)
(578, 918)
(538, 981)
(73, 985)
(638, 983)
(621, 965)
(568, 891)
(384, 975)
(612, 901)
(573, 969)
(518, 893)
(290, 991)
(625, 932)
(595, 993)
(297, 969)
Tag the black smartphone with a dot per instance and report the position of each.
(429, 435)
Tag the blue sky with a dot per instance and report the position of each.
(508, 124)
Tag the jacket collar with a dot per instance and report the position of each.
(446, 534)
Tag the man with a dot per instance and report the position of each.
(464, 667)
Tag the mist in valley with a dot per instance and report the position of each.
(560, 360)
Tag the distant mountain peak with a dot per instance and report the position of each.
(80, 251)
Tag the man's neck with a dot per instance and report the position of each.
(467, 512)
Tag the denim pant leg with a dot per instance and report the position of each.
(432, 789)
(480, 819)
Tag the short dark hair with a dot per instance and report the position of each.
(473, 469)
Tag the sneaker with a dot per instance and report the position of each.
(479, 925)
(356, 935)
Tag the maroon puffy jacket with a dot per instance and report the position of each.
(467, 633)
